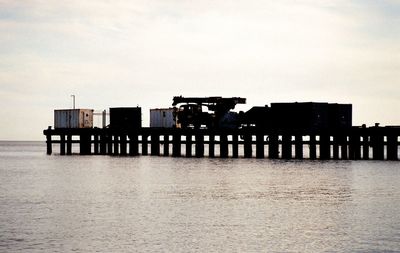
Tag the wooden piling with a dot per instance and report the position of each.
(69, 144)
(324, 146)
(189, 145)
(235, 146)
(49, 144)
(343, 147)
(199, 149)
(377, 146)
(223, 145)
(313, 147)
(62, 144)
(273, 148)
(248, 149)
(123, 145)
(85, 144)
(116, 145)
(260, 145)
(96, 144)
(298, 146)
(166, 145)
(133, 144)
(211, 145)
(392, 147)
(176, 145)
(286, 146)
(155, 144)
(103, 144)
(145, 143)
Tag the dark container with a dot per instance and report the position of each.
(257, 116)
(126, 118)
(340, 116)
(308, 116)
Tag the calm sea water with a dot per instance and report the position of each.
(157, 204)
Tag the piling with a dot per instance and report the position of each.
(189, 143)
(286, 146)
(199, 150)
(260, 145)
(353, 143)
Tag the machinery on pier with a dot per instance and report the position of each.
(190, 113)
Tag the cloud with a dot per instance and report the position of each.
(144, 52)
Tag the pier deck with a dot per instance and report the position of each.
(377, 143)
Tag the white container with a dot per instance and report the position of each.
(73, 118)
(163, 118)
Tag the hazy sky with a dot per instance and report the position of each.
(128, 53)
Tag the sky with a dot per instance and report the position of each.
(128, 53)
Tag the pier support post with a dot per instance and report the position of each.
(392, 147)
(155, 144)
(260, 145)
(116, 145)
(211, 145)
(335, 147)
(235, 145)
(188, 146)
(49, 144)
(123, 143)
(354, 147)
(133, 144)
(62, 144)
(199, 145)
(85, 144)
(324, 146)
(96, 144)
(223, 145)
(103, 144)
(286, 146)
(248, 149)
(343, 147)
(313, 147)
(176, 145)
(273, 147)
(69, 144)
(166, 145)
(377, 146)
(109, 144)
(298, 146)
(365, 144)
(145, 143)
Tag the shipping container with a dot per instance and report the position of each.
(163, 117)
(340, 116)
(126, 118)
(300, 116)
(73, 118)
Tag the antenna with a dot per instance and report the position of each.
(73, 101)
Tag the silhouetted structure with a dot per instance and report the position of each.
(378, 143)
(284, 130)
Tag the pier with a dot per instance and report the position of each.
(355, 143)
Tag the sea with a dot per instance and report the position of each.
(163, 204)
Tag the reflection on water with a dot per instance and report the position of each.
(109, 204)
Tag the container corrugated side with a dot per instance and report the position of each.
(163, 118)
(73, 118)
